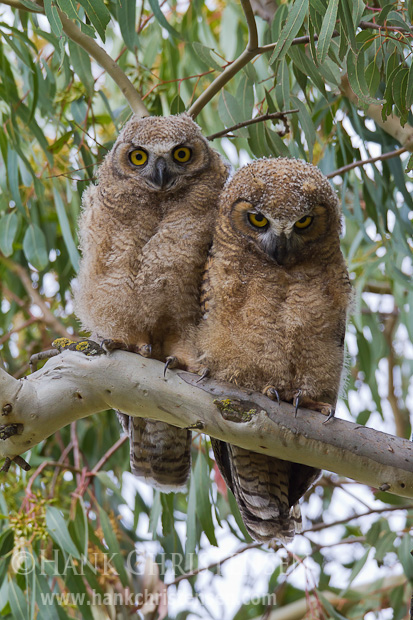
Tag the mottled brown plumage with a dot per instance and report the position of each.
(144, 233)
(277, 293)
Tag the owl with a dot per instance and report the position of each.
(145, 231)
(276, 294)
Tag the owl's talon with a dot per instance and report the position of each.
(145, 350)
(171, 362)
(203, 375)
(271, 393)
(331, 415)
(296, 402)
(113, 345)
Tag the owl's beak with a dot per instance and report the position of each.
(280, 249)
(160, 177)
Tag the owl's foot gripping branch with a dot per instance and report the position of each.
(71, 386)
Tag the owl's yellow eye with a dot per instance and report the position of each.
(182, 154)
(138, 157)
(257, 220)
(304, 222)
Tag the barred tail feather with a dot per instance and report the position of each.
(160, 454)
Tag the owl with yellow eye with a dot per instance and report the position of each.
(145, 231)
(276, 294)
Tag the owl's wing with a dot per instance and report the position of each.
(160, 454)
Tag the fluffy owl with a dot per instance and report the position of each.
(145, 231)
(276, 293)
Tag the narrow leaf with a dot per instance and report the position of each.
(126, 16)
(203, 504)
(8, 230)
(327, 29)
(98, 14)
(81, 64)
(293, 24)
(356, 75)
(230, 112)
(204, 53)
(69, 7)
(66, 232)
(13, 178)
(17, 600)
(191, 537)
(161, 19)
(348, 28)
(177, 105)
(57, 529)
(409, 91)
(113, 546)
(53, 17)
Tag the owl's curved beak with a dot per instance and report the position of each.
(161, 176)
(280, 249)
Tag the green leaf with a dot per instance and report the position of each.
(347, 25)
(53, 17)
(306, 123)
(17, 600)
(57, 528)
(203, 504)
(409, 91)
(32, 6)
(177, 105)
(161, 19)
(205, 54)
(404, 553)
(237, 515)
(230, 112)
(34, 247)
(81, 64)
(113, 546)
(8, 230)
(126, 16)
(13, 177)
(372, 74)
(98, 14)
(291, 28)
(48, 609)
(65, 227)
(357, 78)
(245, 96)
(6, 541)
(327, 29)
(191, 537)
(69, 7)
(155, 512)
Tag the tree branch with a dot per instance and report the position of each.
(370, 160)
(251, 121)
(98, 53)
(71, 386)
(391, 125)
(248, 54)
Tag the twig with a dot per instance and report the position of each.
(248, 54)
(297, 41)
(371, 160)
(372, 511)
(200, 569)
(371, 25)
(48, 316)
(15, 330)
(107, 455)
(257, 119)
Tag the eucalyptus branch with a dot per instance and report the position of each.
(362, 162)
(391, 125)
(251, 121)
(98, 53)
(247, 55)
(71, 386)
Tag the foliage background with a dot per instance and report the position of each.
(346, 69)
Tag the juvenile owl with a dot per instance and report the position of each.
(276, 293)
(145, 231)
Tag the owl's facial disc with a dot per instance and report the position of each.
(284, 240)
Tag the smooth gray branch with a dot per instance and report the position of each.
(71, 386)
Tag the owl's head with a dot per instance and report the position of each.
(283, 208)
(159, 153)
